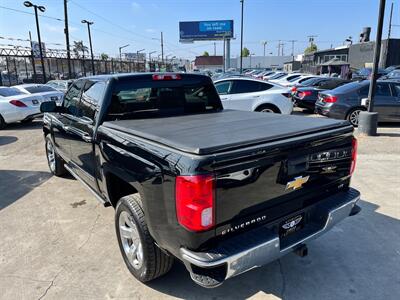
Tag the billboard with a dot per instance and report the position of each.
(135, 56)
(36, 49)
(205, 30)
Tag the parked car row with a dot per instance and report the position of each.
(21, 103)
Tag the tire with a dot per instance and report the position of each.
(268, 108)
(2, 123)
(54, 161)
(148, 261)
(353, 116)
(27, 121)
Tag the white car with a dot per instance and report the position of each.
(242, 93)
(286, 79)
(297, 80)
(276, 75)
(17, 106)
(47, 92)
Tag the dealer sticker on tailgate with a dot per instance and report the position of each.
(291, 225)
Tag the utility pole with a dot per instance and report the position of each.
(279, 47)
(368, 121)
(33, 59)
(42, 9)
(292, 41)
(66, 31)
(162, 48)
(215, 48)
(88, 23)
(311, 39)
(264, 43)
(282, 44)
(390, 24)
(241, 39)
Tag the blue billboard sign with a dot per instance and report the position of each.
(205, 30)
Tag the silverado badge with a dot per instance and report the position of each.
(297, 183)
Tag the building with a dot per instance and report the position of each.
(208, 62)
(292, 66)
(358, 55)
(261, 62)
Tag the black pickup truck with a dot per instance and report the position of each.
(222, 191)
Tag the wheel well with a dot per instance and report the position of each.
(354, 108)
(118, 188)
(268, 105)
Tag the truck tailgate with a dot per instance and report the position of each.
(210, 133)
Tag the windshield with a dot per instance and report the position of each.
(7, 92)
(147, 98)
(39, 89)
(277, 76)
(394, 74)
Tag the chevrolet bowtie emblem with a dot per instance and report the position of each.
(297, 183)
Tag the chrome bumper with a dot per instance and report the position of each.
(263, 245)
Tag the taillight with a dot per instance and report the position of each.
(195, 206)
(166, 77)
(330, 99)
(304, 94)
(354, 146)
(294, 89)
(18, 103)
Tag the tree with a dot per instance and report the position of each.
(245, 52)
(79, 47)
(310, 49)
(205, 53)
(103, 56)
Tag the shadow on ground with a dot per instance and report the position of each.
(5, 140)
(355, 260)
(16, 184)
(37, 123)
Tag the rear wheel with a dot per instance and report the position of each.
(353, 116)
(2, 123)
(142, 256)
(55, 162)
(268, 108)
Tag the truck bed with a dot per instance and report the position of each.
(218, 131)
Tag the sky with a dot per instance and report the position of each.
(139, 23)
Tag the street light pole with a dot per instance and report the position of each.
(368, 121)
(66, 31)
(42, 9)
(264, 43)
(150, 53)
(88, 23)
(241, 39)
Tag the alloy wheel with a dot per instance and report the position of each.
(130, 240)
(354, 116)
(51, 156)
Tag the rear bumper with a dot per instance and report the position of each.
(260, 246)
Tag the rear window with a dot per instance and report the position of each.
(311, 81)
(147, 97)
(40, 89)
(350, 86)
(277, 76)
(8, 92)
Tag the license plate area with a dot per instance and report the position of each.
(291, 225)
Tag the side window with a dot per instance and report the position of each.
(245, 86)
(383, 89)
(265, 86)
(364, 91)
(223, 87)
(91, 95)
(71, 98)
(396, 89)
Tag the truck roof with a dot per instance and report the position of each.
(209, 133)
(136, 75)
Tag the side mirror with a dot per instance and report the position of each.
(48, 106)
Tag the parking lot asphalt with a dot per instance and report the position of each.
(58, 242)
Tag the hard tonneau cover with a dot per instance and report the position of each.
(213, 132)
